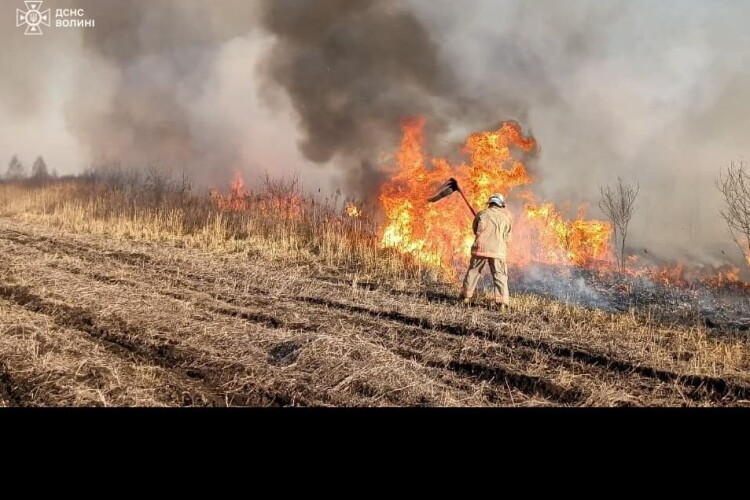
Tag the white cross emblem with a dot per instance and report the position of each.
(33, 18)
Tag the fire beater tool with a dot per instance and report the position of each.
(450, 187)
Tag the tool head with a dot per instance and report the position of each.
(450, 187)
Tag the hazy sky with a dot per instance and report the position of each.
(654, 91)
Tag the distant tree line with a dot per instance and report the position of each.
(39, 171)
(152, 183)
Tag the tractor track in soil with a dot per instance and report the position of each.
(117, 336)
(9, 393)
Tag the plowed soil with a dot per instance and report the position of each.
(86, 321)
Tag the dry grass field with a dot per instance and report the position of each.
(161, 299)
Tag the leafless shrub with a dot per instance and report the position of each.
(157, 183)
(734, 185)
(617, 203)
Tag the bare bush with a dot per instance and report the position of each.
(184, 185)
(617, 203)
(157, 183)
(734, 185)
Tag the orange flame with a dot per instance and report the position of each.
(352, 210)
(440, 233)
(237, 200)
(285, 204)
(729, 277)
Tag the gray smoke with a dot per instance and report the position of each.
(353, 70)
(161, 57)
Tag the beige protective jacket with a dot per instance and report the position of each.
(492, 228)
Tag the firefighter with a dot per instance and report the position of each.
(492, 228)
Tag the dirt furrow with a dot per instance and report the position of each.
(128, 341)
(9, 393)
(47, 364)
(715, 388)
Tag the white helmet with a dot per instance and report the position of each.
(497, 199)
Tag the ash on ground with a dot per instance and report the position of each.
(717, 307)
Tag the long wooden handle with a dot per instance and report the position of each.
(467, 203)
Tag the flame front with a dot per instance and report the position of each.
(440, 233)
